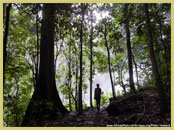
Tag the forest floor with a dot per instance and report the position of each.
(141, 109)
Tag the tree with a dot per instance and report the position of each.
(109, 64)
(91, 57)
(131, 80)
(5, 38)
(155, 70)
(46, 87)
(80, 108)
(19, 68)
(37, 34)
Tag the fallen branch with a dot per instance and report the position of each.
(142, 114)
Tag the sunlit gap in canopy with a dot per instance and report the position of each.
(98, 16)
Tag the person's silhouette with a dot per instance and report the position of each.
(97, 96)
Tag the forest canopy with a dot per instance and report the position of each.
(55, 54)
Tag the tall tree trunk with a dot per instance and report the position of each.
(155, 71)
(70, 106)
(121, 80)
(109, 64)
(136, 70)
(77, 73)
(91, 62)
(164, 46)
(5, 38)
(161, 37)
(81, 63)
(46, 88)
(131, 80)
(37, 58)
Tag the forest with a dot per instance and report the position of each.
(55, 54)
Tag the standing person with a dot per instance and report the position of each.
(97, 96)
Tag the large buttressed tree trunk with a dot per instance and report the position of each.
(46, 88)
(155, 70)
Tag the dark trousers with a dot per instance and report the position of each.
(98, 103)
